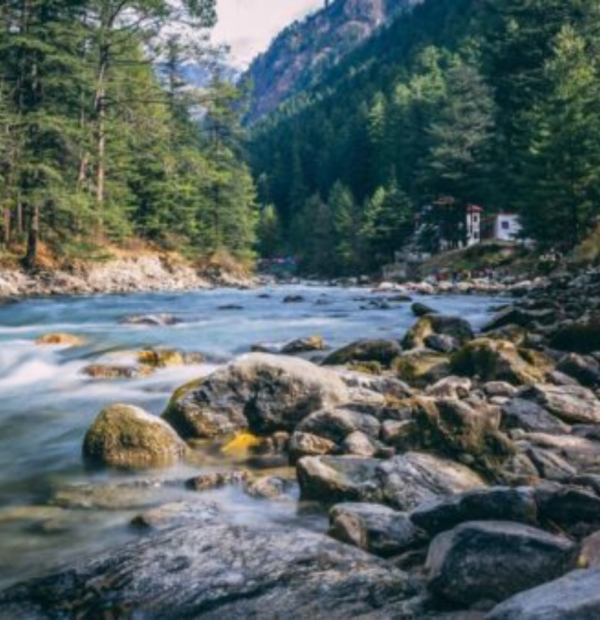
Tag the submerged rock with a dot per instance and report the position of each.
(164, 358)
(116, 371)
(59, 339)
(264, 392)
(485, 562)
(151, 320)
(219, 570)
(178, 513)
(128, 437)
(217, 480)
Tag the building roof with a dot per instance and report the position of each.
(474, 209)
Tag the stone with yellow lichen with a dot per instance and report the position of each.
(70, 340)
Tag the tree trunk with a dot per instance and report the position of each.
(33, 239)
(7, 222)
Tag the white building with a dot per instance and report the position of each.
(474, 216)
(506, 227)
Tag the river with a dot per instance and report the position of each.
(46, 515)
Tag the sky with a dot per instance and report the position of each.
(248, 26)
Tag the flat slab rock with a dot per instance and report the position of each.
(218, 571)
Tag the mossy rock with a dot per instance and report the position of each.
(367, 368)
(165, 358)
(500, 360)
(124, 436)
(421, 367)
(384, 352)
(436, 324)
(59, 339)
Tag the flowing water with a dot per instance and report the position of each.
(53, 509)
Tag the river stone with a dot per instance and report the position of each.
(411, 479)
(528, 415)
(589, 552)
(420, 367)
(451, 387)
(217, 480)
(581, 337)
(304, 345)
(116, 371)
(576, 596)
(574, 509)
(332, 479)
(264, 392)
(583, 368)
(419, 309)
(337, 424)
(129, 437)
(151, 320)
(483, 562)
(219, 571)
(572, 404)
(374, 528)
(495, 504)
(381, 351)
(499, 360)
(455, 327)
(307, 444)
(360, 444)
(59, 339)
(178, 513)
(165, 358)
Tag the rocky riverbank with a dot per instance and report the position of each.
(460, 471)
(145, 273)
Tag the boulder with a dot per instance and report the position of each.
(581, 337)
(360, 444)
(585, 369)
(589, 552)
(421, 367)
(529, 416)
(494, 504)
(331, 479)
(575, 596)
(337, 424)
(485, 562)
(306, 444)
(437, 324)
(498, 360)
(441, 343)
(411, 479)
(374, 528)
(470, 434)
(451, 387)
(269, 487)
(419, 309)
(304, 345)
(572, 404)
(382, 351)
(219, 570)
(129, 437)
(499, 388)
(573, 509)
(264, 392)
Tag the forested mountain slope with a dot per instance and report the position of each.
(483, 102)
(305, 50)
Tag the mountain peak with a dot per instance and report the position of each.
(304, 50)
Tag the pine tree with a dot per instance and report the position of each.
(560, 182)
(347, 221)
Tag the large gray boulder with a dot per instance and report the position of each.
(403, 482)
(375, 528)
(495, 504)
(576, 596)
(485, 562)
(218, 571)
(264, 392)
(128, 437)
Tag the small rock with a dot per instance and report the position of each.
(217, 480)
(304, 345)
(116, 371)
(374, 528)
(164, 358)
(152, 320)
(586, 370)
(307, 444)
(437, 324)
(177, 513)
(528, 415)
(419, 309)
(269, 487)
(574, 405)
(293, 299)
(337, 424)
(360, 444)
(65, 340)
(451, 387)
(589, 552)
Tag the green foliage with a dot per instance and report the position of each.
(95, 147)
(469, 101)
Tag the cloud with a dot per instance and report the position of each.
(248, 26)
